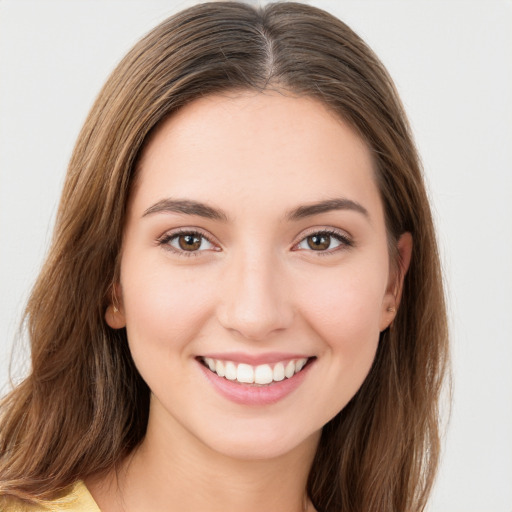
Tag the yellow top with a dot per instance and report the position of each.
(79, 499)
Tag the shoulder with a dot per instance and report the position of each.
(78, 499)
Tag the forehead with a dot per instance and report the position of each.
(235, 150)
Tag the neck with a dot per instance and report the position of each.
(173, 470)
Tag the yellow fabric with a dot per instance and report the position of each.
(79, 499)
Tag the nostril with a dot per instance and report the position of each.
(255, 327)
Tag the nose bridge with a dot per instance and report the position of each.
(254, 299)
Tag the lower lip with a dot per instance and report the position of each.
(247, 394)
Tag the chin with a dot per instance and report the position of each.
(262, 444)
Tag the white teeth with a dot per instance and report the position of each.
(289, 371)
(245, 373)
(230, 371)
(300, 364)
(279, 372)
(210, 362)
(219, 368)
(261, 374)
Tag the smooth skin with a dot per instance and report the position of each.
(223, 253)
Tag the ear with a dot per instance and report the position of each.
(396, 281)
(114, 315)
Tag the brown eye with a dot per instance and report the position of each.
(319, 242)
(189, 242)
(324, 241)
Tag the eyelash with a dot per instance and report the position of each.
(164, 241)
(345, 241)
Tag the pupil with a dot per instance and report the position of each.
(189, 242)
(319, 242)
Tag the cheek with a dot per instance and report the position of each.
(345, 319)
(164, 307)
(346, 301)
(344, 309)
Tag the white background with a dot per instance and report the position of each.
(452, 62)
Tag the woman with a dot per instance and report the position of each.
(242, 306)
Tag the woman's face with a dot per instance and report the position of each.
(254, 250)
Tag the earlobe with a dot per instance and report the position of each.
(113, 316)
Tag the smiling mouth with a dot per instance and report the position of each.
(260, 375)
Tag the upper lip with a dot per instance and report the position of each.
(256, 359)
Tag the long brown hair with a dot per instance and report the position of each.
(84, 406)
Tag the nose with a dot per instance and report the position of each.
(254, 297)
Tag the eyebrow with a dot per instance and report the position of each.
(186, 206)
(190, 207)
(326, 206)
